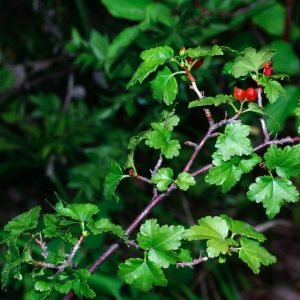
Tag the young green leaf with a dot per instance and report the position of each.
(273, 89)
(254, 255)
(23, 222)
(259, 110)
(169, 119)
(160, 138)
(199, 52)
(164, 86)
(113, 177)
(285, 161)
(142, 274)
(79, 211)
(152, 59)
(185, 255)
(272, 192)
(79, 285)
(215, 230)
(185, 180)
(162, 178)
(246, 165)
(226, 174)
(216, 101)
(104, 225)
(160, 241)
(234, 141)
(250, 61)
(243, 228)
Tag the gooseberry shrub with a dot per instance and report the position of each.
(161, 246)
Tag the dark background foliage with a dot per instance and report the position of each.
(65, 114)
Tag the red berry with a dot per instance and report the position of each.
(267, 65)
(251, 94)
(268, 72)
(197, 64)
(239, 94)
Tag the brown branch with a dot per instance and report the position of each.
(288, 20)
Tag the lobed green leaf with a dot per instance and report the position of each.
(234, 141)
(254, 255)
(23, 222)
(243, 228)
(285, 161)
(79, 211)
(272, 192)
(152, 59)
(250, 61)
(162, 178)
(185, 180)
(142, 274)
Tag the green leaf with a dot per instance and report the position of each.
(152, 59)
(120, 43)
(254, 255)
(164, 86)
(134, 141)
(130, 9)
(160, 241)
(185, 180)
(285, 161)
(246, 165)
(243, 228)
(104, 225)
(160, 138)
(80, 212)
(23, 222)
(199, 52)
(169, 119)
(79, 285)
(250, 61)
(43, 286)
(113, 177)
(99, 45)
(270, 17)
(234, 141)
(162, 178)
(273, 89)
(208, 228)
(51, 226)
(12, 261)
(216, 101)
(272, 192)
(283, 108)
(286, 59)
(215, 230)
(34, 295)
(259, 110)
(227, 69)
(185, 255)
(226, 174)
(141, 274)
(160, 13)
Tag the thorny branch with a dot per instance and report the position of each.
(157, 199)
(68, 263)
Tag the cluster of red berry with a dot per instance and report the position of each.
(267, 68)
(250, 94)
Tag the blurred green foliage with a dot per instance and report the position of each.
(65, 114)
